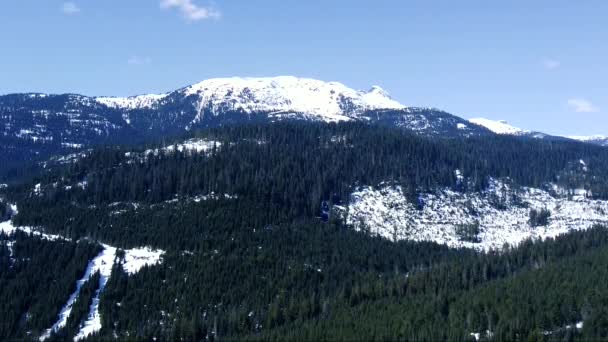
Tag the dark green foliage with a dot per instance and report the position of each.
(263, 266)
(468, 232)
(80, 310)
(5, 211)
(539, 218)
(282, 173)
(537, 288)
(236, 274)
(36, 281)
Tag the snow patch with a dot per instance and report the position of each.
(577, 326)
(477, 336)
(589, 138)
(8, 228)
(82, 185)
(192, 145)
(102, 263)
(459, 176)
(501, 212)
(71, 145)
(9, 245)
(498, 127)
(137, 258)
(213, 196)
(131, 102)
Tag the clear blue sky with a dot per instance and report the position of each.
(540, 64)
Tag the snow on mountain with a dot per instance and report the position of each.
(378, 98)
(499, 127)
(102, 263)
(592, 139)
(148, 101)
(501, 214)
(137, 258)
(7, 228)
(589, 138)
(193, 145)
(331, 101)
(131, 102)
(134, 260)
(60, 123)
(502, 127)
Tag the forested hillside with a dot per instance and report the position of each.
(254, 248)
(35, 126)
(36, 276)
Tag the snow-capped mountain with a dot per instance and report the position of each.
(38, 125)
(35, 126)
(329, 101)
(222, 101)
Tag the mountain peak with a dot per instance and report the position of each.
(330, 101)
(378, 90)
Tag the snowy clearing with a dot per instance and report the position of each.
(501, 212)
(194, 145)
(103, 263)
(135, 259)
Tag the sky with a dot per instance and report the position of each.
(540, 65)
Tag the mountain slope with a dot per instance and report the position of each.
(601, 140)
(241, 208)
(330, 101)
(499, 127)
(504, 128)
(35, 126)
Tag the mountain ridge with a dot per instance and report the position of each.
(502, 127)
(34, 126)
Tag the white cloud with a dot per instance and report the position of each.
(70, 8)
(582, 106)
(190, 10)
(551, 64)
(136, 60)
